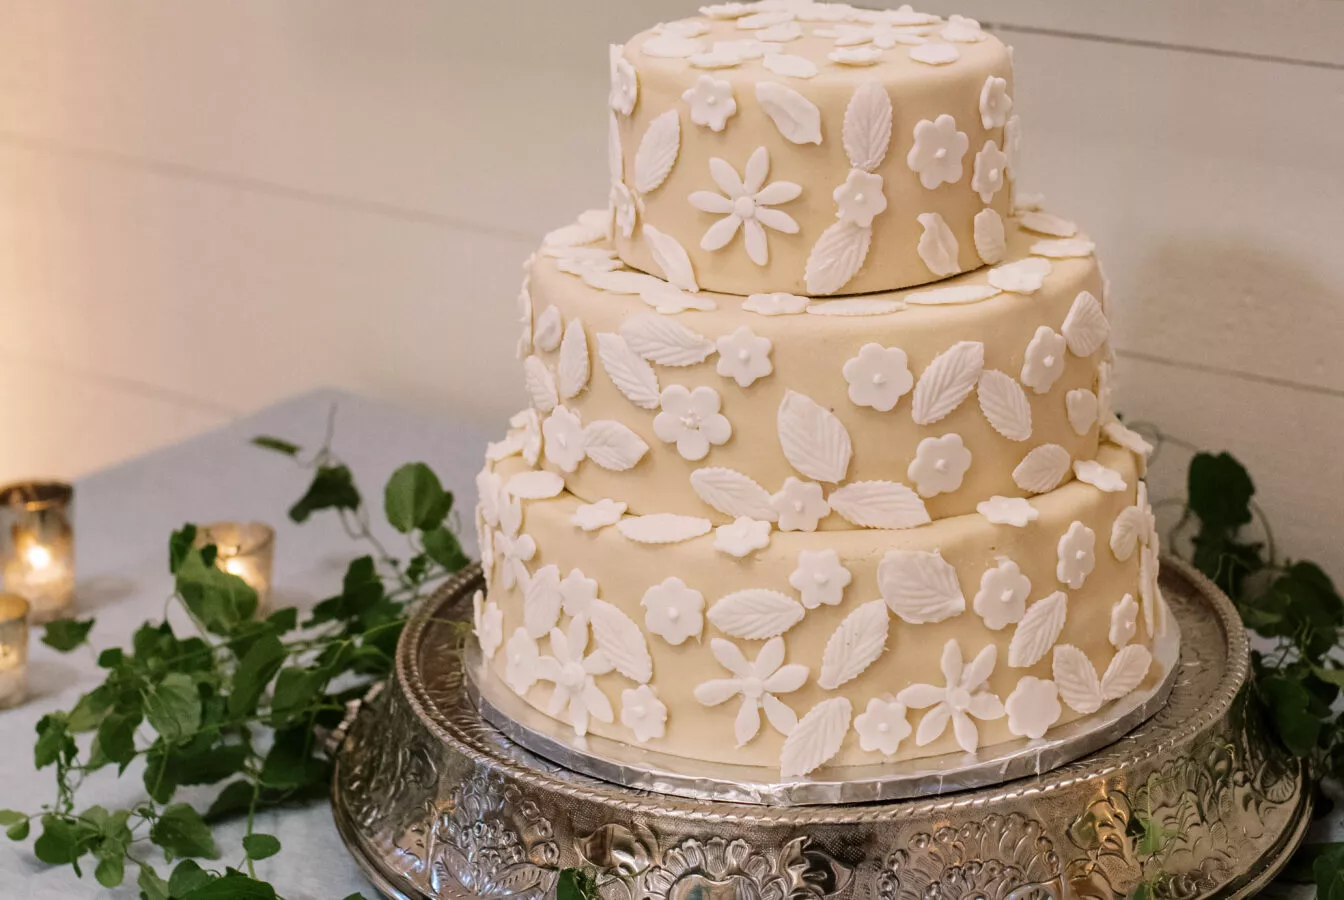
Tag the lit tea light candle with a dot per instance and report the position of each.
(13, 650)
(38, 552)
(245, 549)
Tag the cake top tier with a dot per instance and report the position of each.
(808, 147)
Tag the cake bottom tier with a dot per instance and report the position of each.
(824, 648)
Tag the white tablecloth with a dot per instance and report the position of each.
(124, 516)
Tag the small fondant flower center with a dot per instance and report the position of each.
(744, 208)
(572, 675)
(958, 698)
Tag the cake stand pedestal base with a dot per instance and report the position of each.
(1196, 802)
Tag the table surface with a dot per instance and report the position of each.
(123, 518)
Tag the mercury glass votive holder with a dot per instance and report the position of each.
(245, 549)
(13, 650)
(37, 546)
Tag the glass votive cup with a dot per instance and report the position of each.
(13, 650)
(37, 546)
(245, 549)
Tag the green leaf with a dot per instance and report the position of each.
(1328, 870)
(19, 830)
(64, 635)
(415, 499)
(279, 445)
(179, 545)
(151, 885)
(116, 737)
(9, 817)
(235, 798)
(255, 671)
(291, 763)
(260, 846)
(444, 548)
(186, 877)
(295, 689)
(53, 740)
(1330, 676)
(220, 600)
(1288, 702)
(575, 884)
(90, 709)
(333, 487)
(284, 620)
(173, 706)
(1142, 891)
(233, 887)
(181, 832)
(111, 870)
(63, 841)
(1220, 490)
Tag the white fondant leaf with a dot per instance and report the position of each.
(947, 381)
(816, 738)
(632, 375)
(547, 330)
(1076, 679)
(1082, 409)
(964, 293)
(663, 528)
(671, 257)
(540, 384)
(665, 341)
(920, 586)
(879, 504)
(1129, 526)
(1085, 327)
(541, 602)
(657, 151)
(1042, 469)
(855, 306)
(621, 640)
(535, 485)
(1126, 672)
(755, 614)
(573, 367)
(867, 129)
(937, 246)
(733, 494)
(836, 257)
(1005, 405)
(1038, 630)
(796, 117)
(815, 442)
(855, 645)
(612, 445)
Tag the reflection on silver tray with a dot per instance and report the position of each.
(436, 803)
(663, 773)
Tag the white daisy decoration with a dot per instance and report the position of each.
(882, 726)
(938, 151)
(800, 504)
(691, 420)
(962, 697)
(743, 356)
(878, 377)
(674, 611)
(746, 203)
(756, 682)
(820, 578)
(576, 693)
(939, 465)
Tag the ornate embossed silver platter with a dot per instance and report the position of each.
(434, 802)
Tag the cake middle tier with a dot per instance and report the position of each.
(747, 406)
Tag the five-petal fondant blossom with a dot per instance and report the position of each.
(577, 593)
(1002, 598)
(643, 713)
(488, 624)
(878, 377)
(820, 578)
(743, 356)
(1033, 707)
(564, 439)
(779, 303)
(711, 102)
(573, 673)
(995, 104)
(743, 537)
(592, 516)
(860, 198)
(963, 696)
(882, 726)
(939, 465)
(746, 203)
(1044, 362)
(624, 82)
(691, 420)
(938, 151)
(520, 661)
(800, 505)
(757, 683)
(1077, 555)
(1124, 622)
(674, 611)
(987, 177)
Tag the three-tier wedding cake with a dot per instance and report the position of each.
(820, 466)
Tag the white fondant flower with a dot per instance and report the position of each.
(745, 536)
(711, 102)
(820, 578)
(987, 179)
(674, 611)
(1045, 359)
(623, 208)
(883, 35)
(691, 420)
(932, 54)
(516, 550)
(938, 150)
(939, 465)
(643, 713)
(1014, 511)
(572, 672)
(624, 82)
(746, 203)
(1012, 144)
(1033, 707)
(855, 56)
(860, 198)
(743, 356)
(577, 593)
(1002, 598)
(776, 304)
(564, 439)
(800, 504)
(1124, 621)
(963, 30)
(490, 490)
(592, 516)
(962, 696)
(882, 726)
(1077, 555)
(756, 683)
(488, 622)
(521, 658)
(995, 104)
(531, 435)
(878, 377)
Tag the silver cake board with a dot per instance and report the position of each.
(436, 802)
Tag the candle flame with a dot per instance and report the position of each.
(235, 566)
(38, 557)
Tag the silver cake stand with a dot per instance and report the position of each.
(435, 802)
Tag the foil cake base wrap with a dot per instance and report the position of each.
(436, 802)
